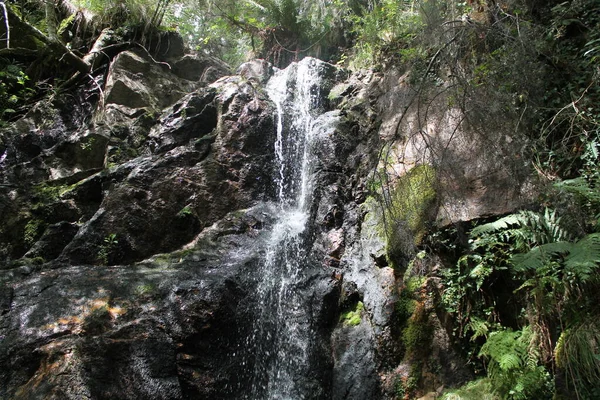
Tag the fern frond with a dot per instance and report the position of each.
(500, 224)
(539, 256)
(544, 228)
(523, 229)
(556, 232)
(479, 327)
(584, 257)
(581, 187)
(509, 361)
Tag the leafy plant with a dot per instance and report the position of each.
(513, 365)
(107, 247)
(553, 271)
(14, 91)
(578, 354)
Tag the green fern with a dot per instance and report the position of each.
(539, 256)
(580, 258)
(479, 327)
(524, 227)
(580, 187)
(507, 348)
(584, 257)
(498, 225)
(513, 367)
(553, 271)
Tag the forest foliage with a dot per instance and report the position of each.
(523, 291)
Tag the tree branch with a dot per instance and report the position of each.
(61, 51)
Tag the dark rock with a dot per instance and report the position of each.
(61, 210)
(192, 117)
(165, 329)
(200, 68)
(84, 154)
(355, 374)
(53, 241)
(212, 73)
(167, 45)
(208, 159)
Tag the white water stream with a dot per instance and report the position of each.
(283, 331)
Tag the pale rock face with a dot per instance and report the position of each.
(478, 173)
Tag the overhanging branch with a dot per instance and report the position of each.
(60, 50)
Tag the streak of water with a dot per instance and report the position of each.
(283, 332)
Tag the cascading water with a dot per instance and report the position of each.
(283, 336)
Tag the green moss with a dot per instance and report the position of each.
(185, 211)
(480, 389)
(407, 208)
(45, 193)
(405, 307)
(146, 289)
(352, 317)
(33, 231)
(28, 261)
(412, 198)
(414, 283)
(417, 336)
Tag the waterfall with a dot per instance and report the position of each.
(283, 333)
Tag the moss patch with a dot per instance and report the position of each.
(412, 198)
(352, 317)
(33, 231)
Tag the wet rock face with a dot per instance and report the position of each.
(164, 329)
(115, 191)
(116, 180)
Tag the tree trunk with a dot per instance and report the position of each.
(51, 19)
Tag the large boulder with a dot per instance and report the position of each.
(136, 80)
(205, 69)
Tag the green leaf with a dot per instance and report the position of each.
(502, 223)
(584, 257)
(539, 256)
